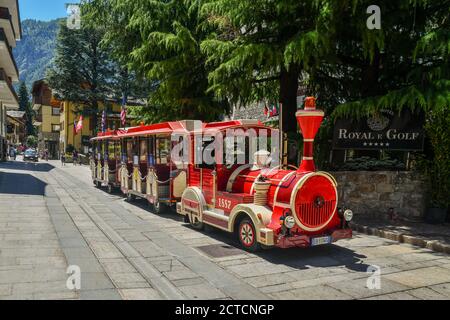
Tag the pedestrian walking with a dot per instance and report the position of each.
(75, 157)
(63, 159)
(12, 153)
(46, 155)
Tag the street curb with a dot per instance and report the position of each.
(435, 245)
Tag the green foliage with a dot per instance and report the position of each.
(82, 69)
(407, 66)
(32, 142)
(371, 164)
(70, 149)
(261, 49)
(25, 105)
(34, 52)
(160, 40)
(437, 167)
(85, 73)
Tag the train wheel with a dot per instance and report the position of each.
(247, 235)
(159, 208)
(131, 197)
(197, 225)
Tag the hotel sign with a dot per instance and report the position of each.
(386, 131)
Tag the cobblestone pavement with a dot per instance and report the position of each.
(52, 217)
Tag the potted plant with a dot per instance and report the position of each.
(437, 168)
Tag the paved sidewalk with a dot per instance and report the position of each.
(32, 263)
(126, 252)
(434, 237)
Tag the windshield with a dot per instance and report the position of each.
(30, 153)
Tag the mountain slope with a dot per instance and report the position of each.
(34, 53)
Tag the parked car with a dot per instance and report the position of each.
(31, 155)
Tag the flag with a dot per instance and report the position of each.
(104, 121)
(274, 110)
(75, 127)
(79, 126)
(266, 110)
(123, 113)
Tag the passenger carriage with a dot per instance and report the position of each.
(147, 170)
(105, 160)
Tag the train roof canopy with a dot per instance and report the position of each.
(180, 127)
(110, 134)
(155, 129)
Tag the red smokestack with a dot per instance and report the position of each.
(309, 120)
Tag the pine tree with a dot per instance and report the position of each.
(25, 105)
(23, 97)
(262, 49)
(403, 65)
(82, 71)
(160, 41)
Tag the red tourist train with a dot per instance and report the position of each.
(265, 206)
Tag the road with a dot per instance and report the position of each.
(52, 217)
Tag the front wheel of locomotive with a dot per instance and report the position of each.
(247, 236)
(195, 224)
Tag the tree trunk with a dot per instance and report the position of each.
(288, 99)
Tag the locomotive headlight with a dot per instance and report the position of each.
(289, 222)
(348, 215)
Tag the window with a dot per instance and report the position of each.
(151, 150)
(118, 147)
(143, 149)
(207, 152)
(162, 150)
(130, 150)
(56, 111)
(56, 128)
(111, 150)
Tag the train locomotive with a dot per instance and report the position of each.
(263, 205)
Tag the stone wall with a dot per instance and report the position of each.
(374, 193)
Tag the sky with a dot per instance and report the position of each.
(44, 10)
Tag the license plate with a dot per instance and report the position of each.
(320, 241)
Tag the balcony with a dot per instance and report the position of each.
(7, 94)
(13, 8)
(7, 62)
(7, 25)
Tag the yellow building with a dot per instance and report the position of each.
(55, 121)
(71, 112)
(46, 120)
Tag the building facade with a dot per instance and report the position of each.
(71, 112)
(55, 121)
(15, 132)
(10, 33)
(47, 118)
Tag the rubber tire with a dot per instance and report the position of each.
(131, 197)
(200, 226)
(255, 246)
